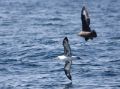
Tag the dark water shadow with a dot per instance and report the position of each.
(68, 85)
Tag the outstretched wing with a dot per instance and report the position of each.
(67, 49)
(85, 19)
(67, 68)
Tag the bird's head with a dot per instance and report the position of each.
(65, 40)
(94, 34)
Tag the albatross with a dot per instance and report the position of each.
(67, 57)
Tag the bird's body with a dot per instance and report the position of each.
(62, 58)
(85, 34)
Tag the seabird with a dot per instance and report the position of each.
(67, 57)
(67, 53)
(86, 32)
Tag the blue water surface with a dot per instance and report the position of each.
(31, 35)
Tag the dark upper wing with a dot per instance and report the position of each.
(67, 49)
(67, 68)
(85, 19)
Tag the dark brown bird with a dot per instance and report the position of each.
(86, 32)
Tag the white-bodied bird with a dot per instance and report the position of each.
(68, 54)
(67, 57)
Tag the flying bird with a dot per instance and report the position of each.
(67, 53)
(67, 57)
(86, 32)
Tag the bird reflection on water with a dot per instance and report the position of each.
(68, 85)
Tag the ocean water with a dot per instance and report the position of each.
(31, 35)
